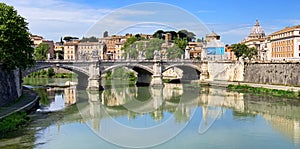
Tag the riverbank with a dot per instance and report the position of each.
(14, 114)
(269, 86)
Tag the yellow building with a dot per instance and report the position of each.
(285, 44)
(90, 50)
(71, 50)
(113, 45)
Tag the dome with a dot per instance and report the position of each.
(257, 31)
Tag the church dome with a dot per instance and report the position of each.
(257, 31)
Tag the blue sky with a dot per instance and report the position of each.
(232, 19)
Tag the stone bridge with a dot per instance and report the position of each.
(149, 72)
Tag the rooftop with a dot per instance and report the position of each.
(287, 29)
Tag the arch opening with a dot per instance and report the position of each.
(187, 73)
(143, 73)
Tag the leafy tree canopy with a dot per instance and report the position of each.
(89, 39)
(15, 49)
(70, 38)
(40, 52)
(243, 51)
(154, 44)
(174, 52)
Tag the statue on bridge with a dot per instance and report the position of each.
(157, 55)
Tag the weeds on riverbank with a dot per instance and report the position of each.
(13, 122)
(263, 91)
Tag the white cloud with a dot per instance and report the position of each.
(206, 11)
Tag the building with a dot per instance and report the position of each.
(50, 54)
(228, 49)
(71, 50)
(36, 39)
(90, 50)
(215, 49)
(113, 45)
(195, 50)
(256, 37)
(285, 44)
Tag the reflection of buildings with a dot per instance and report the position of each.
(288, 127)
(70, 95)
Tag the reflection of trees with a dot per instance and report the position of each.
(44, 100)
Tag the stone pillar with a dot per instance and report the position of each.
(157, 76)
(187, 54)
(94, 80)
(56, 56)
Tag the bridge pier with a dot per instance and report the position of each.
(94, 84)
(94, 81)
(157, 80)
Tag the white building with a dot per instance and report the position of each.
(285, 44)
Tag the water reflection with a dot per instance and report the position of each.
(55, 99)
(208, 109)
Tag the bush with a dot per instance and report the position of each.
(51, 72)
(13, 122)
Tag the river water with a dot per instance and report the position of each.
(175, 116)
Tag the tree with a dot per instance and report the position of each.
(190, 36)
(239, 50)
(251, 53)
(40, 52)
(243, 51)
(174, 52)
(154, 44)
(69, 38)
(89, 39)
(181, 43)
(105, 34)
(129, 47)
(158, 34)
(15, 49)
(51, 72)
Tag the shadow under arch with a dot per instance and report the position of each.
(82, 75)
(189, 71)
(144, 73)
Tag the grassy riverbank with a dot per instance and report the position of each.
(13, 122)
(263, 91)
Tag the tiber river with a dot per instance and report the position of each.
(175, 116)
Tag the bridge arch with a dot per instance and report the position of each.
(41, 67)
(190, 71)
(136, 67)
(183, 65)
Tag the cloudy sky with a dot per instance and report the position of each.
(232, 19)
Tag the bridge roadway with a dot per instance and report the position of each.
(149, 72)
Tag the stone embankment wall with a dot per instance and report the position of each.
(226, 71)
(273, 73)
(10, 86)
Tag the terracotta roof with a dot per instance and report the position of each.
(286, 29)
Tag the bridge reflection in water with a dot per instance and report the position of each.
(178, 100)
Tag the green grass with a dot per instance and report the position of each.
(263, 91)
(13, 122)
